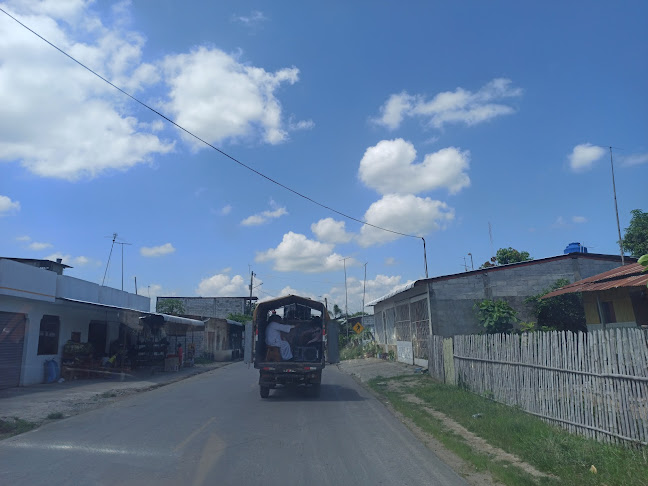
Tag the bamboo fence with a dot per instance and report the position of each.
(594, 384)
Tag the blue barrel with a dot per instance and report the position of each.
(51, 371)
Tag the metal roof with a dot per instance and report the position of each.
(631, 275)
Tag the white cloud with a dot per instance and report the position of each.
(156, 251)
(6, 204)
(256, 17)
(584, 155)
(559, 223)
(37, 246)
(59, 120)
(390, 261)
(77, 261)
(634, 159)
(23, 238)
(458, 106)
(226, 209)
(296, 253)
(330, 231)
(294, 126)
(221, 285)
(388, 167)
(265, 216)
(407, 214)
(218, 98)
(377, 287)
(579, 219)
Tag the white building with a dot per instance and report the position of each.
(41, 309)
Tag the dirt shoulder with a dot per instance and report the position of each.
(364, 370)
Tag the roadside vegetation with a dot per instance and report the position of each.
(565, 458)
(355, 346)
(15, 426)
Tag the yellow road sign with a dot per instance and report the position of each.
(358, 328)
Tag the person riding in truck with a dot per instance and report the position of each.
(273, 336)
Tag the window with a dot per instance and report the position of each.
(608, 312)
(48, 336)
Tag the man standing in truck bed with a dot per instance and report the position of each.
(273, 336)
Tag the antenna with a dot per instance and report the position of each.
(122, 243)
(490, 236)
(616, 209)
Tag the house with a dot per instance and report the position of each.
(41, 310)
(222, 338)
(613, 299)
(444, 305)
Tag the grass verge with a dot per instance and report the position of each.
(547, 448)
(55, 416)
(15, 426)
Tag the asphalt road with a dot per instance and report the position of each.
(214, 429)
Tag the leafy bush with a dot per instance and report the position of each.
(497, 316)
(561, 313)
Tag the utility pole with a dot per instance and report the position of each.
(251, 283)
(135, 285)
(346, 298)
(364, 290)
(616, 209)
(471, 261)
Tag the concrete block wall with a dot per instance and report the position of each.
(211, 306)
(452, 299)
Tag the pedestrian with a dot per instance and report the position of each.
(179, 355)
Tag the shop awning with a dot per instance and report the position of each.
(135, 318)
(173, 325)
(127, 316)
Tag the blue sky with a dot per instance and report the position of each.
(431, 119)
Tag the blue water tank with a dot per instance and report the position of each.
(575, 248)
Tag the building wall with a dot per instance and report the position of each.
(452, 300)
(71, 320)
(36, 292)
(621, 302)
(211, 306)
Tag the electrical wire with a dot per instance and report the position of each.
(225, 154)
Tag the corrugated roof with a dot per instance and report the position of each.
(631, 275)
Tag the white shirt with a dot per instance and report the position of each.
(273, 333)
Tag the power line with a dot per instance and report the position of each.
(270, 179)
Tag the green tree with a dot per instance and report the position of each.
(173, 307)
(242, 318)
(505, 256)
(336, 311)
(561, 313)
(497, 316)
(636, 235)
(511, 255)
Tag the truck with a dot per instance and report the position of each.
(307, 341)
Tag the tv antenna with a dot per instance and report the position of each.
(490, 236)
(122, 243)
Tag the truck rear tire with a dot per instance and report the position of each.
(264, 391)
